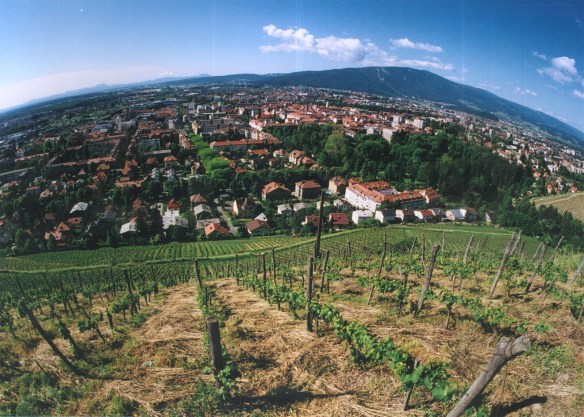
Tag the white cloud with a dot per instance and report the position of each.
(526, 92)
(334, 48)
(488, 86)
(538, 55)
(406, 43)
(565, 64)
(563, 70)
(330, 47)
(427, 64)
(579, 94)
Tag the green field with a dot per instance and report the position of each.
(573, 203)
(456, 238)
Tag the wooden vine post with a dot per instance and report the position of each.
(215, 344)
(506, 255)
(378, 271)
(265, 277)
(411, 390)
(309, 294)
(577, 273)
(435, 249)
(37, 326)
(539, 262)
(507, 349)
(468, 246)
(326, 258)
(274, 266)
(319, 230)
(198, 274)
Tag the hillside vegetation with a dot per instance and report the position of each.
(133, 342)
(565, 203)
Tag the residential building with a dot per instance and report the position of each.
(307, 189)
(285, 210)
(385, 216)
(337, 185)
(338, 220)
(258, 228)
(275, 192)
(360, 216)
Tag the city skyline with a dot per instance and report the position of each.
(527, 52)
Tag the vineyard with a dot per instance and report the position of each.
(385, 322)
(572, 203)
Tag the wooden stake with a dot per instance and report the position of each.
(435, 249)
(215, 344)
(577, 273)
(468, 246)
(326, 258)
(506, 255)
(309, 294)
(410, 391)
(507, 349)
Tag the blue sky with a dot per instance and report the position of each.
(531, 52)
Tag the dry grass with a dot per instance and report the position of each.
(172, 340)
(289, 371)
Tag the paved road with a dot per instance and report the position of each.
(224, 216)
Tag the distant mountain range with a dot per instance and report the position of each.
(385, 81)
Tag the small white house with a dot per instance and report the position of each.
(455, 215)
(361, 215)
(341, 205)
(261, 217)
(300, 206)
(285, 210)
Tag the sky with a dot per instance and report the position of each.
(528, 51)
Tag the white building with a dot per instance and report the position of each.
(361, 215)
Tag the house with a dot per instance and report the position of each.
(171, 218)
(242, 207)
(258, 228)
(424, 215)
(360, 216)
(470, 214)
(170, 162)
(307, 189)
(80, 208)
(300, 206)
(385, 216)
(338, 220)
(202, 211)
(215, 229)
(261, 217)
(314, 220)
(275, 192)
(438, 213)
(130, 227)
(455, 215)
(197, 199)
(406, 216)
(285, 210)
(201, 224)
(340, 205)
(173, 205)
(369, 195)
(337, 185)
(491, 217)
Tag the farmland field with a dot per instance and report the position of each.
(572, 203)
(134, 335)
(456, 238)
